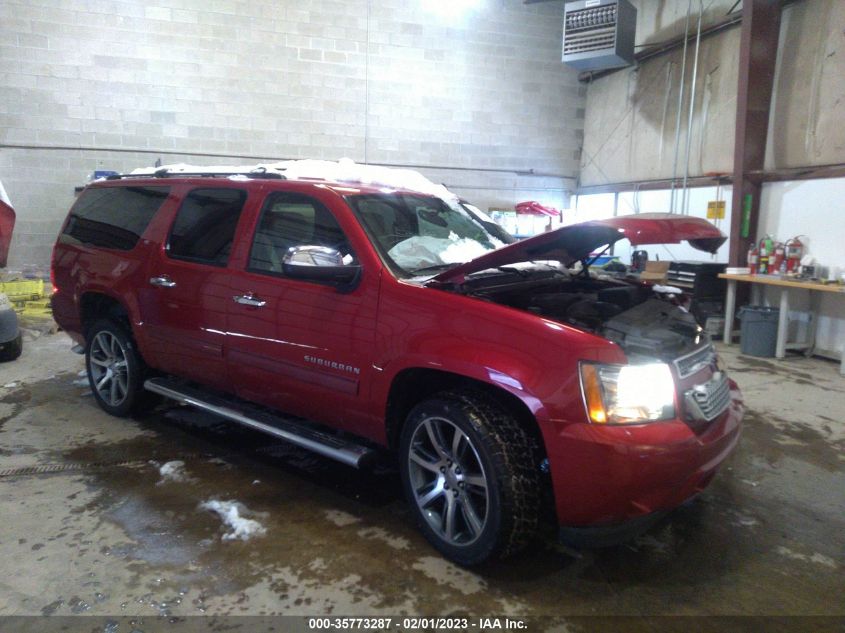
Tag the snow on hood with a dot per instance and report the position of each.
(572, 243)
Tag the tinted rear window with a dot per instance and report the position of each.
(113, 217)
(205, 225)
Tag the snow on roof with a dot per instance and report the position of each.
(345, 171)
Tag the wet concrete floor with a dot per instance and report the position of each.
(90, 525)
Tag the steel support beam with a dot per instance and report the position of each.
(651, 185)
(757, 53)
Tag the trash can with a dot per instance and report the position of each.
(759, 330)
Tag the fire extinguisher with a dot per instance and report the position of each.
(794, 253)
(753, 255)
(765, 252)
(777, 261)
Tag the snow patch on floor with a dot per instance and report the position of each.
(377, 533)
(743, 521)
(818, 559)
(81, 380)
(173, 471)
(652, 542)
(341, 518)
(445, 573)
(234, 516)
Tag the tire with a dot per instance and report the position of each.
(488, 487)
(112, 362)
(12, 350)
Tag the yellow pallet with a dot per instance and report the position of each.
(39, 307)
(23, 289)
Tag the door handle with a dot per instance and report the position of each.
(163, 281)
(249, 300)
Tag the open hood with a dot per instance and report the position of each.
(7, 223)
(570, 244)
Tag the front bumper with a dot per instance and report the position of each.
(596, 536)
(608, 475)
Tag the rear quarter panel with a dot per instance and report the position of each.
(78, 269)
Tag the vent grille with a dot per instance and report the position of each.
(598, 33)
(590, 30)
(708, 401)
(588, 19)
(596, 40)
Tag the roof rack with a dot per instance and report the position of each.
(258, 173)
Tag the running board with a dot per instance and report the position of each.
(289, 429)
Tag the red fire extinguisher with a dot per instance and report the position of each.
(777, 260)
(794, 253)
(753, 255)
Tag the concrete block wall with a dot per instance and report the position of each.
(472, 92)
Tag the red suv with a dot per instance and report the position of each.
(350, 319)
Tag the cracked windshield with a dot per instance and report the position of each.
(419, 235)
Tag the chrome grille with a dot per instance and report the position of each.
(697, 360)
(707, 401)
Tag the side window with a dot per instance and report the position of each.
(388, 221)
(292, 219)
(113, 217)
(205, 226)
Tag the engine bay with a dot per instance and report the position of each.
(646, 323)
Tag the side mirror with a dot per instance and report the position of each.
(320, 264)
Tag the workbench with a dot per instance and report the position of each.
(785, 285)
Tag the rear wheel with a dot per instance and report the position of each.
(469, 473)
(115, 370)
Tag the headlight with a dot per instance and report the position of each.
(628, 394)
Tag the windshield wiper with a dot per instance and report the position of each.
(431, 269)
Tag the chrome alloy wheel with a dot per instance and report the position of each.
(448, 481)
(107, 366)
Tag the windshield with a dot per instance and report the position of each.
(420, 234)
(489, 223)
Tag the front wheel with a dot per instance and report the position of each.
(470, 475)
(115, 370)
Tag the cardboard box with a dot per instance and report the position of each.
(655, 271)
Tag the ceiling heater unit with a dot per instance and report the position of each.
(598, 34)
